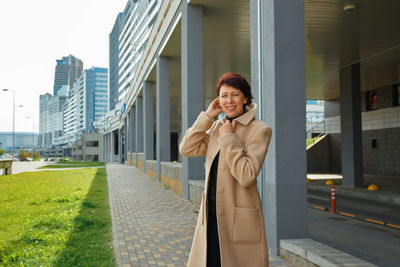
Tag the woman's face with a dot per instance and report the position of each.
(231, 100)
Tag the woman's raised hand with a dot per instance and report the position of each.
(214, 109)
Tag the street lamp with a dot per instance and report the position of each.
(33, 131)
(14, 106)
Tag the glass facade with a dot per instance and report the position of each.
(86, 103)
(114, 59)
(127, 42)
(68, 69)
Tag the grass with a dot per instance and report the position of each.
(311, 141)
(55, 218)
(73, 164)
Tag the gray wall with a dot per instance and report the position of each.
(317, 157)
(381, 124)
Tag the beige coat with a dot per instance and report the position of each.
(239, 211)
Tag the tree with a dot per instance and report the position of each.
(22, 155)
(1, 152)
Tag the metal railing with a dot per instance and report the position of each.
(315, 131)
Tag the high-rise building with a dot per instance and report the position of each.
(114, 61)
(68, 70)
(50, 119)
(133, 28)
(87, 102)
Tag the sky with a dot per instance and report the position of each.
(33, 34)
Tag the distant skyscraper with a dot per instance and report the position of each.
(68, 70)
(87, 102)
(133, 29)
(51, 119)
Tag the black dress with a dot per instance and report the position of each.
(213, 249)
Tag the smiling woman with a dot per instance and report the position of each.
(235, 147)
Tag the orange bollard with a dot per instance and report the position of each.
(333, 203)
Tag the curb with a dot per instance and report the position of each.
(307, 252)
(360, 218)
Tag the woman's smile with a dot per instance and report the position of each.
(231, 100)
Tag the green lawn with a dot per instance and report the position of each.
(55, 218)
(73, 164)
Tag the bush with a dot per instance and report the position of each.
(22, 154)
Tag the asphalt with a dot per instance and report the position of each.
(389, 187)
(152, 225)
(27, 166)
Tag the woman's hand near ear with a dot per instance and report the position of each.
(214, 109)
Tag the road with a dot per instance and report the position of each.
(26, 166)
(361, 208)
(374, 243)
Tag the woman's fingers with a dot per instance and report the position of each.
(227, 127)
(216, 104)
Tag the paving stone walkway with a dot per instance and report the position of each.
(152, 225)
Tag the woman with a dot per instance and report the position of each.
(230, 227)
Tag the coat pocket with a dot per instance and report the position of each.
(246, 225)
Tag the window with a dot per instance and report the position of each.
(396, 95)
(92, 143)
(372, 100)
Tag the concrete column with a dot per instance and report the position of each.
(163, 139)
(112, 146)
(133, 132)
(107, 149)
(351, 137)
(139, 127)
(102, 149)
(120, 154)
(280, 74)
(125, 141)
(192, 85)
(128, 136)
(148, 134)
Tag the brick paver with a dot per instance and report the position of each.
(152, 225)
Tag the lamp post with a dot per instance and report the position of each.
(14, 106)
(33, 133)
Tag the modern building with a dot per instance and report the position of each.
(114, 61)
(50, 119)
(88, 148)
(127, 41)
(291, 51)
(314, 111)
(315, 122)
(379, 130)
(22, 140)
(67, 71)
(87, 102)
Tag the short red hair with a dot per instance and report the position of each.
(237, 81)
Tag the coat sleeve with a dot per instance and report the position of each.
(195, 141)
(245, 164)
